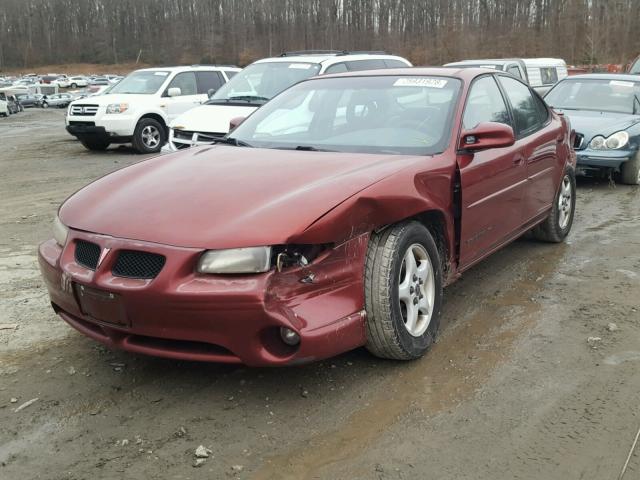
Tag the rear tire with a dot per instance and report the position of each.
(149, 136)
(73, 85)
(403, 292)
(95, 145)
(45, 105)
(630, 171)
(558, 224)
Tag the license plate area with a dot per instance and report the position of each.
(101, 306)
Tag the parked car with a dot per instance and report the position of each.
(74, 82)
(61, 100)
(604, 110)
(13, 106)
(28, 100)
(100, 81)
(258, 83)
(540, 73)
(329, 219)
(4, 108)
(138, 109)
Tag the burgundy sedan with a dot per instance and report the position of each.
(329, 219)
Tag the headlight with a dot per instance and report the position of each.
(60, 232)
(117, 107)
(597, 143)
(237, 260)
(612, 142)
(617, 140)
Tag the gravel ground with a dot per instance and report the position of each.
(514, 389)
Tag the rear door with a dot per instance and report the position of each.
(492, 180)
(538, 139)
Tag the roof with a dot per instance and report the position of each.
(188, 68)
(465, 74)
(332, 57)
(606, 76)
(497, 61)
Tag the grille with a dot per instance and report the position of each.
(84, 110)
(135, 264)
(577, 144)
(200, 137)
(83, 124)
(87, 254)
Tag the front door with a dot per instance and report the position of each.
(188, 98)
(492, 181)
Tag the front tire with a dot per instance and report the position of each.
(403, 292)
(149, 136)
(630, 171)
(45, 105)
(558, 224)
(73, 85)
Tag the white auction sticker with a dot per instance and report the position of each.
(420, 82)
(621, 83)
(161, 74)
(303, 66)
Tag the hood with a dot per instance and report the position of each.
(592, 123)
(211, 118)
(224, 196)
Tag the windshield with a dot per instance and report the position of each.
(260, 82)
(635, 68)
(144, 82)
(384, 114)
(603, 95)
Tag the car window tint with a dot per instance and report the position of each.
(515, 71)
(485, 104)
(208, 81)
(372, 64)
(543, 111)
(525, 110)
(186, 82)
(337, 68)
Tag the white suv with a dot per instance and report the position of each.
(261, 81)
(138, 109)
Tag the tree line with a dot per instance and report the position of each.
(428, 32)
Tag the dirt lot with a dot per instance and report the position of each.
(512, 390)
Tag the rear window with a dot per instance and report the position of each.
(548, 75)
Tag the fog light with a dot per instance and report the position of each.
(289, 336)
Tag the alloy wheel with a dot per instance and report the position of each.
(565, 200)
(416, 290)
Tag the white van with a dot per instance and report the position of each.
(139, 108)
(258, 83)
(539, 73)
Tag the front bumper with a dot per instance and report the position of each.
(85, 130)
(589, 158)
(232, 319)
(115, 125)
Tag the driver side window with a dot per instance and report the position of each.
(485, 104)
(186, 82)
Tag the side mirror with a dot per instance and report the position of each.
(211, 92)
(487, 135)
(234, 122)
(174, 92)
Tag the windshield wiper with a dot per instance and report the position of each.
(233, 141)
(239, 98)
(305, 148)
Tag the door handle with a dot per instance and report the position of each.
(518, 159)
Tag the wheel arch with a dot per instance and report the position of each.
(157, 117)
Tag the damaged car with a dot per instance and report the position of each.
(604, 110)
(331, 218)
